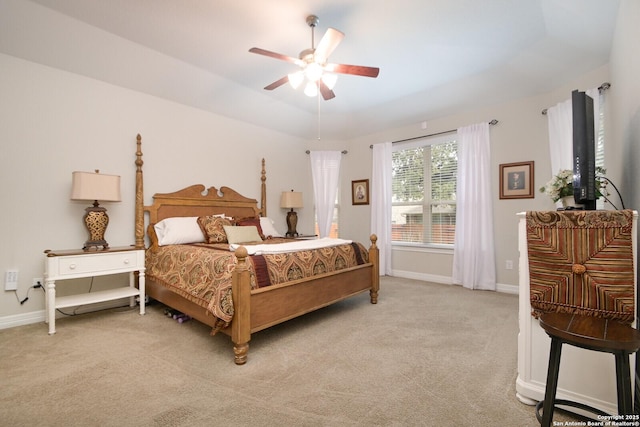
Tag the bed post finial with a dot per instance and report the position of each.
(263, 192)
(139, 206)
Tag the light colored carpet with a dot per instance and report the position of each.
(425, 355)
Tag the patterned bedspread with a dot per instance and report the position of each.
(582, 262)
(202, 272)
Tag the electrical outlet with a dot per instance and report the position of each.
(509, 265)
(37, 281)
(11, 280)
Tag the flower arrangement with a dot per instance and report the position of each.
(561, 185)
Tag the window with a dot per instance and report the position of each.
(333, 233)
(424, 191)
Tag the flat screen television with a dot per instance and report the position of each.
(584, 151)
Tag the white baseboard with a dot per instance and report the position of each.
(447, 280)
(39, 316)
(507, 289)
(21, 319)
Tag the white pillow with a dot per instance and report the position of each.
(242, 233)
(267, 227)
(178, 230)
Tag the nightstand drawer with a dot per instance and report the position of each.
(94, 264)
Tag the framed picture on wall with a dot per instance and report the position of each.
(360, 192)
(516, 180)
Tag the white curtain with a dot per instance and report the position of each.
(560, 119)
(325, 169)
(473, 254)
(560, 136)
(381, 203)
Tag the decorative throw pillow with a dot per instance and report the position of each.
(250, 221)
(213, 228)
(178, 230)
(242, 234)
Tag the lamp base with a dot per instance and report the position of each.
(292, 223)
(96, 221)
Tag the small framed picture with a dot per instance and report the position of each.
(516, 180)
(360, 192)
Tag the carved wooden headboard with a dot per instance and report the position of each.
(193, 201)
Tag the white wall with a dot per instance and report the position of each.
(625, 105)
(55, 122)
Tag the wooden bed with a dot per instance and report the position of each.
(254, 309)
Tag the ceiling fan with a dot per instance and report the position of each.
(320, 74)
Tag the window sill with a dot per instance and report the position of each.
(422, 247)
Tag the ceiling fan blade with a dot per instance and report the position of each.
(277, 83)
(274, 55)
(327, 93)
(327, 44)
(358, 70)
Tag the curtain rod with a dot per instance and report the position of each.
(492, 122)
(343, 152)
(604, 86)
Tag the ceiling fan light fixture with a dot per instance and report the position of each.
(311, 89)
(329, 80)
(313, 71)
(295, 79)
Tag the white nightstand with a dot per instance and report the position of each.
(74, 264)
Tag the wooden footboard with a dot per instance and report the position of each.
(256, 309)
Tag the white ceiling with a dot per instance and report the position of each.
(435, 57)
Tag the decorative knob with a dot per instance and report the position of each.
(72, 266)
(126, 261)
(578, 268)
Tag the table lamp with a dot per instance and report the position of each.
(291, 200)
(95, 186)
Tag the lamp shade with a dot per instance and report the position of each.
(311, 89)
(291, 199)
(295, 79)
(95, 186)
